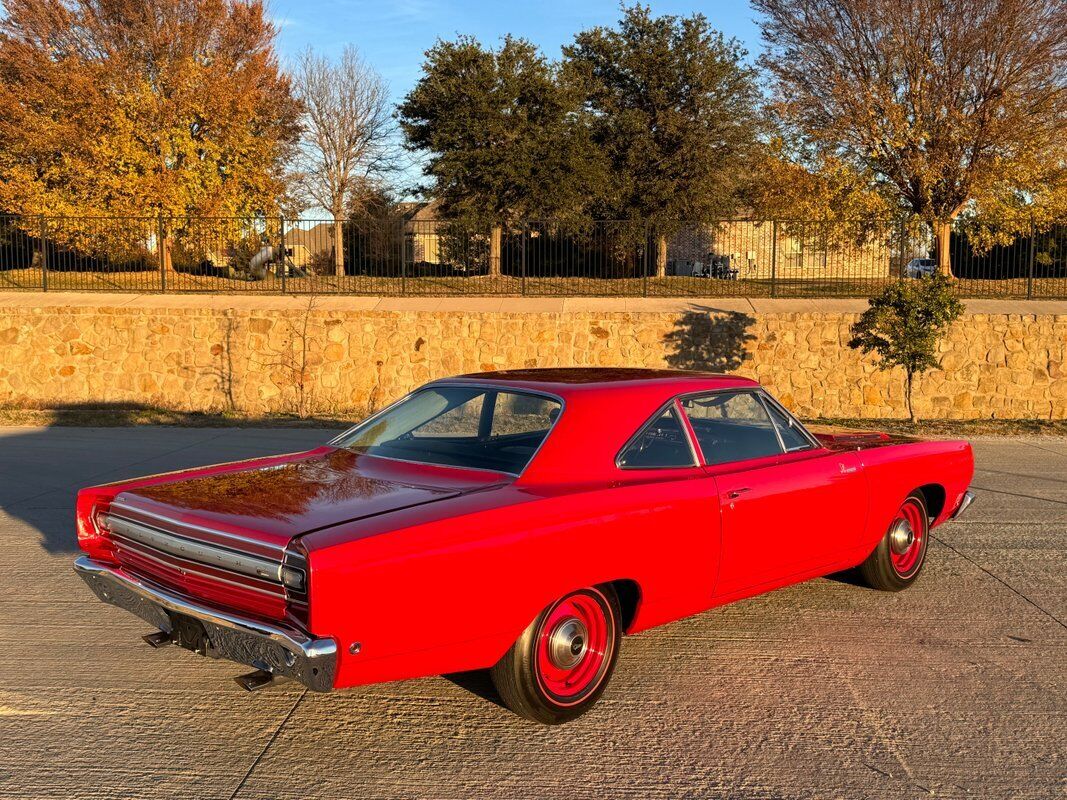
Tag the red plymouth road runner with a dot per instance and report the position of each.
(517, 521)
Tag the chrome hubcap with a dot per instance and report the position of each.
(901, 537)
(567, 643)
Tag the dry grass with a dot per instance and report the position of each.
(955, 428)
(119, 415)
(506, 285)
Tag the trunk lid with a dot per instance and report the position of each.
(178, 532)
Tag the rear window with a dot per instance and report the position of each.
(476, 428)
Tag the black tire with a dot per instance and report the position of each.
(882, 568)
(517, 676)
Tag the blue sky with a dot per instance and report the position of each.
(394, 34)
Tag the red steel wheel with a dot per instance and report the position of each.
(560, 665)
(907, 538)
(900, 555)
(573, 647)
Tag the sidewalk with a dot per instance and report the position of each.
(514, 305)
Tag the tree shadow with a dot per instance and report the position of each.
(709, 340)
(44, 467)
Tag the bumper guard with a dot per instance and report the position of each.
(968, 498)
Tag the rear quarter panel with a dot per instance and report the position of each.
(449, 587)
(895, 470)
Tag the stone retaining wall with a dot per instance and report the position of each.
(316, 361)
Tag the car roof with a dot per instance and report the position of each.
(604, 408)
(570, 381)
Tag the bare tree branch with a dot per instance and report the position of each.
(350, 143)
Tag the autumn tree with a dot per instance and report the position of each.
(675, 111)
(933, 100)
(349, 143)
(503, 135)
(141, 107)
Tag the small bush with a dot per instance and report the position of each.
(904, 324)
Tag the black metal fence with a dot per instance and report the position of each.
(408, 255)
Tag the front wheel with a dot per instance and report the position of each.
(899, 557)
(560, 665)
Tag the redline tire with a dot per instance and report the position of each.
(561, 664)
(898, 559)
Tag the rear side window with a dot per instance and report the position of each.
(661, 443)
(731, 427)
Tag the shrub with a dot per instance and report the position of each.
(904, 324)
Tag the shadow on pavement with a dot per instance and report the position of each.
(42, 468)
(478, 683)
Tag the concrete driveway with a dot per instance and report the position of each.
(955, 688)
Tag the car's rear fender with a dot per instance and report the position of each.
(896, 470)
(453, 593)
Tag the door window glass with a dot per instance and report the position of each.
(732, 426)
(792, 436)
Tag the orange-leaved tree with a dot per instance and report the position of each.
(168, 108)
(934, 101)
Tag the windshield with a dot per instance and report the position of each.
(459, 426)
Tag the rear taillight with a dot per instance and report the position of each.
(295, 575)
(91, 519)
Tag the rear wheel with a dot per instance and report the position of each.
(560, 665)
(898, 559)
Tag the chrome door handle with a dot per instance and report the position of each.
(733, 494)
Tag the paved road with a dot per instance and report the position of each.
(955, 688)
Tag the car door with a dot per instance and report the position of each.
(787, 506)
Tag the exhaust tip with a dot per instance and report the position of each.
(157, 639)
(255, 680)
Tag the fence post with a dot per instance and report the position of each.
(525, 236)
(284, 263)
(774, 258)
(1030, 267)
(44, 254)
(403, 257)
(160, 249)
(644, 265)
(903, 247)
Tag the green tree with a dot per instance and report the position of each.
(675, 111)
(934, 101)
(503, 136)
(904, 324)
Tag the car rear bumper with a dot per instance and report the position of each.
(278, 649)
(965, 503)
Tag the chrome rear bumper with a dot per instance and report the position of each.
(278, 649)
(965, 503)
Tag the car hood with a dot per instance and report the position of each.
(276, 502)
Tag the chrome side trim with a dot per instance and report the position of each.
(118, 504)
(195, 551)
(287, 651)
(965, 503)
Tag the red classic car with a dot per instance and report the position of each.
(519, 521)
